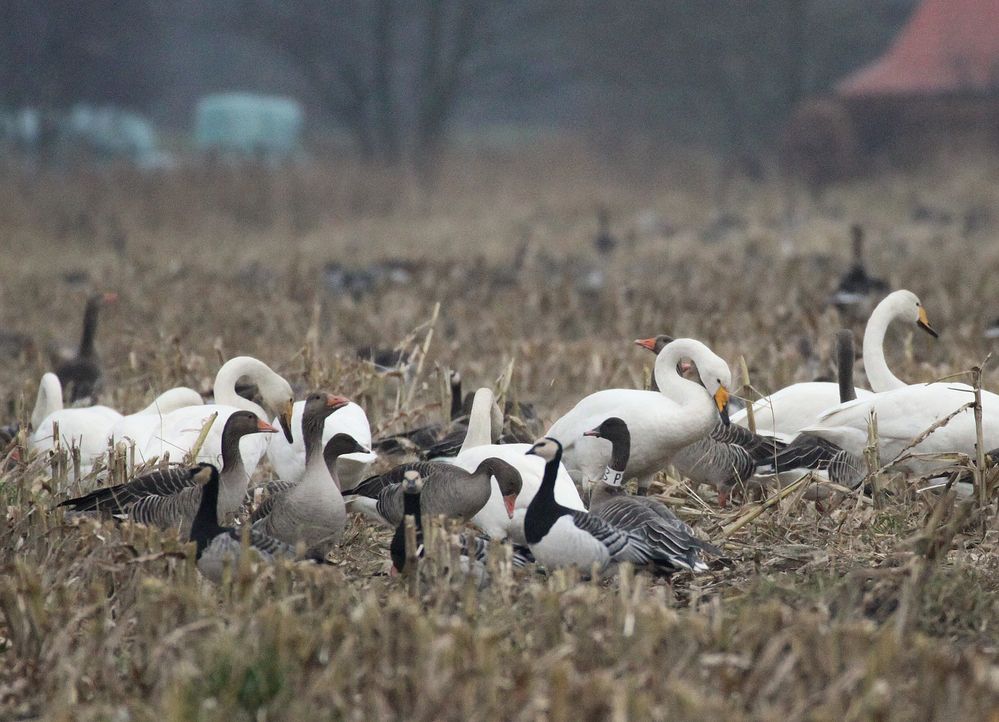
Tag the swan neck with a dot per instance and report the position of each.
(879, 376)
(480, 424)
(225, 383)
(49, 399)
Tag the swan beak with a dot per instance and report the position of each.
(285, 420)
(264, 427)
(924, 323)
(647, 343)
(721, 401)
(509, 501)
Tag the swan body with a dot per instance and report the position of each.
(661, 422)
(87, 428)
(288, 460)
(142, 425)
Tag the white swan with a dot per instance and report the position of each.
(288, 459)
(492, 518)
(661, 422)
(179, 430)
(906, 413)
(141, 426)
(49, 399)
(789, 410)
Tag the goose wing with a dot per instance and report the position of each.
(271, 492)
(116, 499)
(620, 544)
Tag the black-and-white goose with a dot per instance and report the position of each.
(672, 544)
(448, 490)
(170, 497)
(562, 537)
(312, 510)
(217, 545)
(81, 375)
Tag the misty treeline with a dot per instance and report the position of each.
(400, 75)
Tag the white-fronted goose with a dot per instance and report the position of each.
(81, 375)
(448, 490)
(661, 423)
(170, 497)
(312, 510)
(672, 544)
(563, 537)
(218, 546)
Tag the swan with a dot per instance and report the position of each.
(142, 425)
(493, 519)
(793, 407)
(288, 457)
(906, 413)
(48, 401)
(179, 430)
(661, 422)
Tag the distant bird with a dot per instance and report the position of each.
(671, 543)
(312, 511)
(562, 537)
(448, 490)
(169, 498)
(604, 241)
(423, 438)
(857, 286)
(217, 545)
(992, 330)
(81, 375)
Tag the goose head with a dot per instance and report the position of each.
(655, 344)
(508, 478)
(319, 405)
(547, 448)
(412, 482)
(615, 430)
(339, 445)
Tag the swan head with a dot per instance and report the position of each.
(717, 379)
(906, 305)
(547, 448)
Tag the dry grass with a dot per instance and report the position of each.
(861, 613)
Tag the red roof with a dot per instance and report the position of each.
(948, 46)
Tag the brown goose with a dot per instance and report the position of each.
(671, 544)
(448, 490)
(217, 545)
(312, 510)
(81, 375)
(170, 497)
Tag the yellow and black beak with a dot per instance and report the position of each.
(284, 418)
(721, 401)
(924, 323)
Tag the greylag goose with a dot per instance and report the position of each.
(672, 544)
(169, 498)
(661, 423)
(857, 285)
(81, 375)
(448, 490)
(217, 546)
(562, 537)
(312, 510)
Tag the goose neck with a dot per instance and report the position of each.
(206, 525)
(89, 327)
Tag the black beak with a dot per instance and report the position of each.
(724, 415)
(928, 328)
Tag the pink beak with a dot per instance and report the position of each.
(508, 501)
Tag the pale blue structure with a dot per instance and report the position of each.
(248, 124)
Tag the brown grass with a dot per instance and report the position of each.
(861, 613)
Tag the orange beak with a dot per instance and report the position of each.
(646, 343)
(336, 402)
(509, 501)
(265, 427)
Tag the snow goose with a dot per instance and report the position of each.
(312, 510)
(448, 490)
(218, 546)
(661, 423)
(169, 498)
(671, 543)
(562, 537)
(179, 430)
(81, 375)
(791, 408)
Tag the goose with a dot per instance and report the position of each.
(287, 454)
(179, 430)
(448, 490)
(604, 241)
(661, 423)
(169, 498)
(312, 510)
(672, 544)
(81, 375)
(493, 519)
(428, 436)
(728, 456)
(791, 408)
(562, 537)
(857, 285)
(217, 546)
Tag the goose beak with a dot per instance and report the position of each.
(721, 401)
(592, 432)
(509, 501)
(336, 402)
(285, 420)
(647, 343)
(264, 427)
(924, 323)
